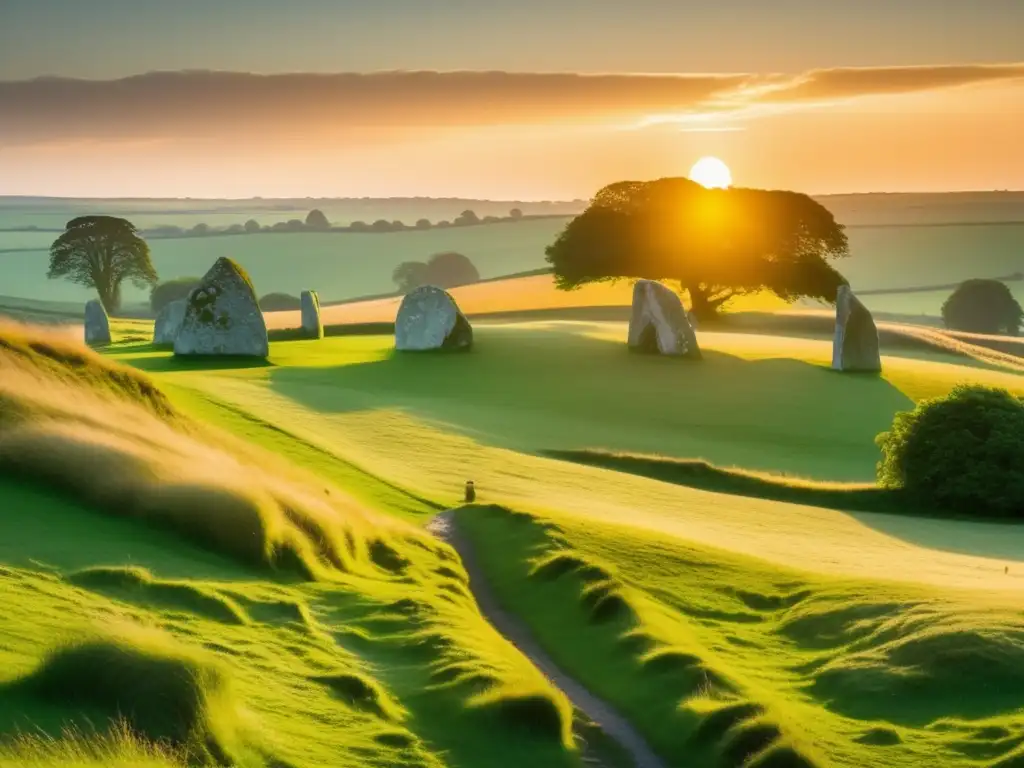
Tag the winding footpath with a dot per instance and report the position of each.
(611, 722)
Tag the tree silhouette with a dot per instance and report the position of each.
(445, 270)
(252, 226)
(423, 224)
(983, 306)
(515, 213)
(101, 252)
(717, 243)
(467, 217)
(317, 220)
(410, 275)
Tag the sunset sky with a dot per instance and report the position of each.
(532, 99)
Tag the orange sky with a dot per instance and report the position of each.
(510, 135)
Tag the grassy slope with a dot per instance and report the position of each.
(192, 633)
(847, 664)
(726, 661)
(428, 424)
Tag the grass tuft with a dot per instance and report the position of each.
(362, 693)
(138, 585)
(165, 692)
(120, 747)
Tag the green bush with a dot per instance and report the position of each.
(962, 453)
(171, 290)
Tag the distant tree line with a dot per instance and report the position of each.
(317, 221)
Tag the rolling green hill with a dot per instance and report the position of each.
(240, 550)
(167, 584)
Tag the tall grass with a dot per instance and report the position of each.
(106, 434)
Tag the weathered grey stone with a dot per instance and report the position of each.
(855, 345)
(312, 327)
(168, 322)
(97, 324)
(659, 323)
(429, 318)
(222, 316)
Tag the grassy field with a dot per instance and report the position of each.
(165, 578)
(303, 618)
(337, 265)
(348, 265)
(723, 660)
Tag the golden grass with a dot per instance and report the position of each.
(513, 295)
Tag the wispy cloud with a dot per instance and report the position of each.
(247, 107)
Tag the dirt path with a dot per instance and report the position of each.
(613, 724)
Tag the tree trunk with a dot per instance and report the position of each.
(110, 297)
(700, 306)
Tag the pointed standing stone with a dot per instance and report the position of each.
(97, 324)
(312, 327)
(855, 345)
(222, 316)
(168, 322)
(659, 324)
(429, 318)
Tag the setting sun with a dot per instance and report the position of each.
(712, 173)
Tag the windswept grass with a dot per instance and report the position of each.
(74, 748)
(723, 660)
(166, 692)
(276, 637)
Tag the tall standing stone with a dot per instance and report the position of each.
(222, 316)
(97, 324)
(312, 327)
(429, 318)
(659, 323)
(168, 322)
(855, 345)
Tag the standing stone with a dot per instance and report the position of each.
(97, 324)
(429, 318)
(312, 327)
(659, 324)
(855, 345)
(222, 316)
(168, 322)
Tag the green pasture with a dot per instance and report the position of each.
(723, 660)
(289, 624)
(305, 619)
(338, 265)
(347, 265)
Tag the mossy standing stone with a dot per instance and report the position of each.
(97, 324)
(312, 326)
(429, 319)
(222, 316)
(855, 344)
(658, 323)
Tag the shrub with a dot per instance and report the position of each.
(280, 302)
(317, 220)
(171, 290)
(960, 453)
(983, 306)
(252, 226)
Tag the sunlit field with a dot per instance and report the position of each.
(322, 625)
(225, 562)
(345, 265)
